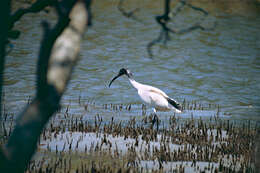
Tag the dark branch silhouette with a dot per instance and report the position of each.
(157, 40)
(39, 5)
(167, 16)
(130, 14)
(4, 17)
(56, 61)
(34, 8)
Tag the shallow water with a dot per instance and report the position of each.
(212, 67)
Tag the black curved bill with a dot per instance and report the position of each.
(114, 79)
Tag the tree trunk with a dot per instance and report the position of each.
(58, 55)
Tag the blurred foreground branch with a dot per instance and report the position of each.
(4, 18)
(58, 55)
(37, 6)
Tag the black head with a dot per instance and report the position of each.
(127, 72)
(122, 71)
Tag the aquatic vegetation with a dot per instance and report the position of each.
(96, 143)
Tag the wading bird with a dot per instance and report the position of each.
(151, 95)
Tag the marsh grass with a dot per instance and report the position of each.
(141, 143)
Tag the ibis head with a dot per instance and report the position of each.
(122, 71)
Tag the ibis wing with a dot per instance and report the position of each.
(174, 103)
(157, 91)
(170, 100)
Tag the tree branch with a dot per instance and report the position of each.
(168, 15)
(130, 14)
(38, 6)
(153, 42)
(58, 54)
(4, 17)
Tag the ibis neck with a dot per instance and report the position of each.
(135, 84)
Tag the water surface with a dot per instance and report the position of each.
(221, 66)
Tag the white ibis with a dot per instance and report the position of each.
(151, 95)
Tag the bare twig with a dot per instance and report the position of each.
(38, 6)
(164, 35)
(195, 8)
(130, 14)
(58, 55)
(168, 15)
(153, 42)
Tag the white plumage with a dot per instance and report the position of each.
(151, 95)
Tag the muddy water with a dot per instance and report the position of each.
(221, 66)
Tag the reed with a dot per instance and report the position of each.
(141, 143)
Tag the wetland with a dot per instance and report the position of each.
(213, 74)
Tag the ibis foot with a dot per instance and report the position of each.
(155, 120)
